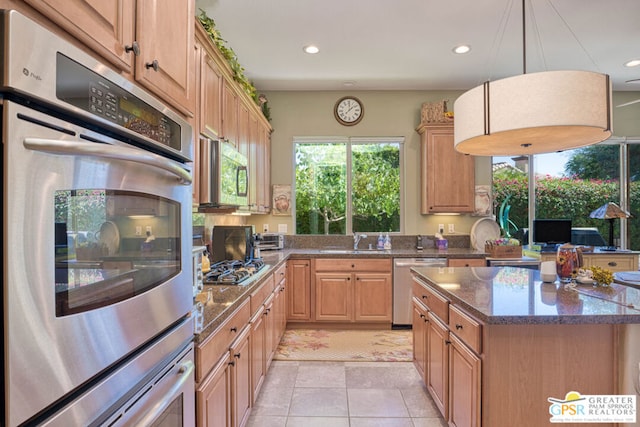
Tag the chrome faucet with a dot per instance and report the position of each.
(356, 240)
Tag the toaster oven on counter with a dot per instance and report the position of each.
(269, 241)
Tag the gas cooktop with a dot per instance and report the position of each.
(232, 272)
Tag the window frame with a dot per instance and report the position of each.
(349, 142)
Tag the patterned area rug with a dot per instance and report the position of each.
(346, 346)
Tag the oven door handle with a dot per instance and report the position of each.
(55, 146)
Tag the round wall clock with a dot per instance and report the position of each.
(348, 110)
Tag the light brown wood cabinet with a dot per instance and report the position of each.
(299, 290)
(213, 397)
(225, 112)
(353, 290)
(160, 31)
(466, 262)
(447, 178)
(446, 341)
(610, 261)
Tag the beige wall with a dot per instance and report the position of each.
(387, 113)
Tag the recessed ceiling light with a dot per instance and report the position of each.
(632, 63)
(311, 49)
(463, 48)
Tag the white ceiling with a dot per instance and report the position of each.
(407, 44)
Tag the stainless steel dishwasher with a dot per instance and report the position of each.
(402, 284)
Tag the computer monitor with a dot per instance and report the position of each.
(551, 231)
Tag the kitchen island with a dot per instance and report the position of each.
(494, 344)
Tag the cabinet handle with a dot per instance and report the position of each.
(349, 278)
(425, 296)
(232, 363)
(135, 47)
(234, 329)
(353, 266)
(612, 264)
(268, 310)
(153, 65)
(447, 342)
(422, 316)
(458, 326)
(237, 355)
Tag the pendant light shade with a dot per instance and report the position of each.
(534, 113)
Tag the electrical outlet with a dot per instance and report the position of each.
(441, 228)
(265, 228)
(148, 229)
(138, 230)
(451, 228)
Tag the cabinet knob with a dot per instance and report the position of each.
(447, 342)
(234, 329)
(612, 264)
(425, 296)
(153, 65)
(422, 316)
(135, 47)
(237, 355)
(458, 326)
(353, 266)
(232, 363)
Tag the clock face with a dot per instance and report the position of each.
(349, 110)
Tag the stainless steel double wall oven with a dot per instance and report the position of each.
(97, 294)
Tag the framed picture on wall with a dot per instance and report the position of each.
(482, 200)
(281, 200)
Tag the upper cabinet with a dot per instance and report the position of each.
(225, 111)
(152, 40)
(447, 178)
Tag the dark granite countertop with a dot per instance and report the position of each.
(220, 301)
(510, 295)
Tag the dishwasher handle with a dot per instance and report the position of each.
(418, 262)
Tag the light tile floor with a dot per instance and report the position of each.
(344, 394)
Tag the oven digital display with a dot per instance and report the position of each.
(84, 89)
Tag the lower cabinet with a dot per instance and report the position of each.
(445, 355)
(224, 398)
(353, 290)
(232, 363)
(299, 290)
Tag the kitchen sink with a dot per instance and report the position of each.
(348, 251)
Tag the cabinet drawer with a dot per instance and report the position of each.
(262, 293)
(438, 304)
(467, 329)
(466, 262)
(613, 263)
(280, 274)
(354, 264)
(209, 352)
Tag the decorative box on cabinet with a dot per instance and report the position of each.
(447, 178)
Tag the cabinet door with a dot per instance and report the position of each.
(165, 33)
(210, 96)
(229, 113)
(419, 329)
(627, 262)
(464, 385)
(254, 168)
(241, 378)
(334, 297)
(437, 366)
(258, 353)
(373, 297)
(213, 398)
(299, 290)
(264, 168)
(106, 26)
(447, 177)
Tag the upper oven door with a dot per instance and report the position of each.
(97, 254)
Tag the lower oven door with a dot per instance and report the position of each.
(155, 387)
(97, 255)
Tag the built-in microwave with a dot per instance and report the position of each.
(224, 176)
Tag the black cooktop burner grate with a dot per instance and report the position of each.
(232, 272)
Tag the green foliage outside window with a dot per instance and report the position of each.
(322, 184)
